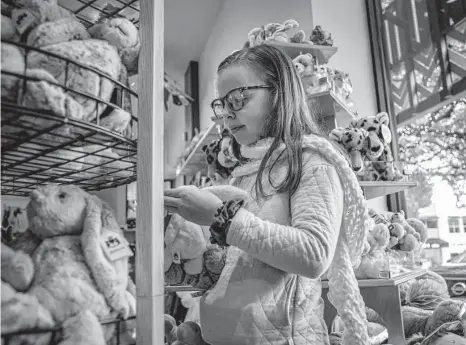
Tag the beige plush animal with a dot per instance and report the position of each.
(81, 265)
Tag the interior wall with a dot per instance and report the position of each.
(350, 33)
(235, 19)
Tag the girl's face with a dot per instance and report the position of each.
(247, 123)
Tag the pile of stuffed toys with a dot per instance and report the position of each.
(430, 316)
(67, 271)
(367, 141)
(287, 32)
(388, 232)
(44, 41)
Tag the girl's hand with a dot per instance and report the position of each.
(193, 204)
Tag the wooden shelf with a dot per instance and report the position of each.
(375, 189)
(321, 53)
(188, 288)
(334, 111)
(196, 160)
(395, 281)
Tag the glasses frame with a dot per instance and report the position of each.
(241, 90)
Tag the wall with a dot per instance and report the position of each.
(350, 33)
(234, 21)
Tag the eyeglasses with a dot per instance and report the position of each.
(233, 99)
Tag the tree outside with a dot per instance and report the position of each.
(436, 146)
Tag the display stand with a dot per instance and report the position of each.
(149, 237)
(383, 296)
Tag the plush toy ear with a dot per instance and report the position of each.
(383, 118)
(337, 134)
(354, 123)
(106, 252)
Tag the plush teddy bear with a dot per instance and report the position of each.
(354, 142)
(81, 262)
(396, 230)
(187, 333)
(321, 37)
(304, 64)
(415, 236)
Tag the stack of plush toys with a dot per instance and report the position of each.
(68, 272)
(430, 316)
(389, 231)
(367, 141)
(287, 32)
(43, 79)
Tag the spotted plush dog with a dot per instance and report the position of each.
(221, 156)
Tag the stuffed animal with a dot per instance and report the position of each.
(415, 236)
(319, 81)
(185, 242)
(222, 156)
(420, 323)
(321, 37)
(81, 263)
(187, 333)
(396, 230)
(46, 25)
(304, 64)
(354, 142)
(286, 32)
(123, 35)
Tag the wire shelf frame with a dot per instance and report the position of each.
(128, 335)
(46, 142)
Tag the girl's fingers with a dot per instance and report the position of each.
(171, 210)
(176, 192)
(171, 202)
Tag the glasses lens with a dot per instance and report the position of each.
(235, 100)
(217, 107)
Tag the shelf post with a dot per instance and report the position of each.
(149, 236)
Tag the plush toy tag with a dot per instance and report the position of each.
(176, 257)
(115, 247)
(386, 134)
(23, 19)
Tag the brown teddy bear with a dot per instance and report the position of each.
(81, 265)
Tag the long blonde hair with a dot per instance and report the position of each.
(290, 119)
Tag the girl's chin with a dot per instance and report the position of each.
(244, 139)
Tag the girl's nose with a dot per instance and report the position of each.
(230, 115)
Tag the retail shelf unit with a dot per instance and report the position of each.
(41, 146)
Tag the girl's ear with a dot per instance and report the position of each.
(106, 252)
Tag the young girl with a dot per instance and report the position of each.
(305, 217)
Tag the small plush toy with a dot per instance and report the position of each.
(321, 37)
(187, 333)
(341, 84)
(81, 263)
(304, 64)
(354, 141)
(378, 237)
(185, 242)
(222, 156)
(396, 230)
(414, 237)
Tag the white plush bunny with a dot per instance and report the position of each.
(81, 263)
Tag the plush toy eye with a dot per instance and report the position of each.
(62, 195)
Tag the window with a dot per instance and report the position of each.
(454, 224)
(431, 223)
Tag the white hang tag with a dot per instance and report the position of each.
(23, 19)
(115, 247)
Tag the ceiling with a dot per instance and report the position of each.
(187, 28)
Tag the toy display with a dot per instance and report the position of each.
(187, 333)
(321, 37)
(73, 240)
(286, 32)
(372, 144)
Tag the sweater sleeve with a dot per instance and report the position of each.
(307, 246)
